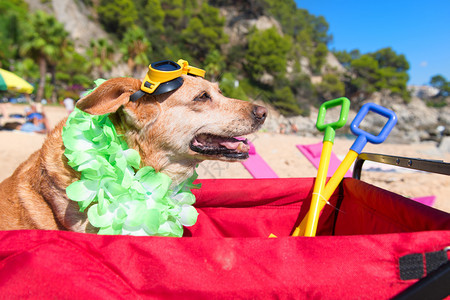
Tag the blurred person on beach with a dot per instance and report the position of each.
(282, 128)
(69, 104)
(35, 120)
(294, 128)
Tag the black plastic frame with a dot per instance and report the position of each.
(432, 166)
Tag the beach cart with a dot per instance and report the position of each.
(370, 244)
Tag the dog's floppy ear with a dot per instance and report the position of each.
(109, 96)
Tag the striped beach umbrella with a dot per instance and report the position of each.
(11, 82)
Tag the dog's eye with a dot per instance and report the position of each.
(203, 97)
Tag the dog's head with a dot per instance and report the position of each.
(182, 127)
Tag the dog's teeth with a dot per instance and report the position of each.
(242, 147)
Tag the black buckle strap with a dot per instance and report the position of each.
(412, 265)
(435, 284)
(137, 95)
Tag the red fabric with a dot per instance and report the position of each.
(229, 256)
(258, 207)
(375, 211)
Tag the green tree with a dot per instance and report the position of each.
(17, 3)
(117, 15)
(12, 23)
(345, 58)
(284, 100)
(72, 76)
(285, 13)
(441, 99)
(267, 51)
(174, 18)
(304, 92)
(45, 42)
(214, 64)
(390, 79)
(388, 58)
(151, 20)
(204, 32)
(27, 69)
(101, 57)
(331, 87)
(438, 81)
(319, 58)
(190, 6)
(320, 30)
(231, 88)
(366, 67)
(366, 70)
(380, 70)
(392, 73)
(73, 71)
(134, 47)
(305, 43)
(441, 83)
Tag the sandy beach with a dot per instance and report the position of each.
(280, 153)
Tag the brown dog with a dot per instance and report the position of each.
(172, 132)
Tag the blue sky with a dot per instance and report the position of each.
(418, 29)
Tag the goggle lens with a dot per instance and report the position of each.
(165, 76)
(166, 65)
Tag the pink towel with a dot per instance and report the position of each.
(426, 200)
(313, 151)
(256, 165)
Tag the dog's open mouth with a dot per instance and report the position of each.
(231, 148)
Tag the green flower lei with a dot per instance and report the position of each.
(119, 199)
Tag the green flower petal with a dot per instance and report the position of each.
(170, 228)
(109, 230)
(97, 219)
(128, 178)
(188, 215)
(184, 198)
(151, 221)
(158, 183)
(120, 200)
(133, 158)
(82, 190)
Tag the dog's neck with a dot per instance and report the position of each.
(178, 169)
(178, 172)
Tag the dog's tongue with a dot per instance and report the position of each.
(234, 144)
(216, 141)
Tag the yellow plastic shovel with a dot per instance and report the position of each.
(308, 226)
(322, 171)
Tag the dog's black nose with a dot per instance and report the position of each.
(259, 113)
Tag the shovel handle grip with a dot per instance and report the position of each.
(362, 136)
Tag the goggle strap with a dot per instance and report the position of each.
(136, 96)
(196, 72)
(190, 70)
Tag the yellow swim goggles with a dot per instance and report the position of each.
(165, 76)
